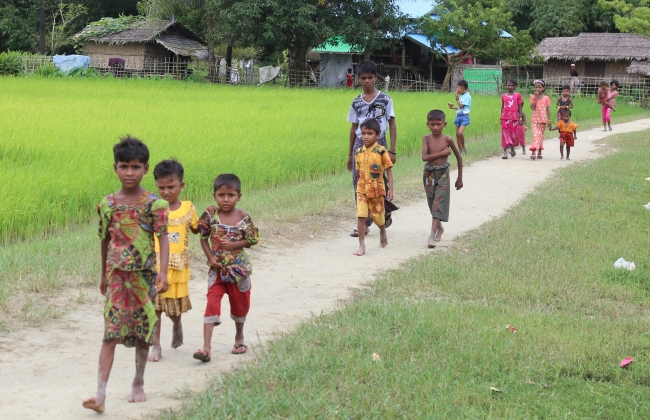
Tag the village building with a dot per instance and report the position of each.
(596, 55)
(146, 47)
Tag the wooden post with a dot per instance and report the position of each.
(403, 56)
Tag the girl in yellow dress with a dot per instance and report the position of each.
(182, 220)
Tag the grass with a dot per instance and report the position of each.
(438, 323)
(56, 137)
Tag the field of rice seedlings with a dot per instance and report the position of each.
(56, 137)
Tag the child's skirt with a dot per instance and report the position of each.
(538, 130)
(606, 114)
(509, 135)
(176, 300)
(521, 136)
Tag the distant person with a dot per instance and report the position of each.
(371, 104)
(568, 133)
(386, 82)
(182, 221)
(607, 100)
(541, 118)
(129, 219)
(372, 163)
(463, 104)
(564, 101)
(511, 118)
(225, 233)
(574, 84)
(349, 79)
(435, 149)
(521, 134)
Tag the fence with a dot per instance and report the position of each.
(631, 89)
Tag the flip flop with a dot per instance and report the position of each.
(355, 233)
(238, 346)
(202, 356)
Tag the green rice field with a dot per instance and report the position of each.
(56, 137)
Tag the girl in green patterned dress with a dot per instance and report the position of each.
(128, 221)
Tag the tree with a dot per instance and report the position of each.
(476, 28)
(630, 17)
(372, 25)
(62, 18)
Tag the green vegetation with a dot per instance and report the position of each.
(438, 323)
(56, 138)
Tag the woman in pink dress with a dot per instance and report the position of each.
(511, 118)
(541, 118)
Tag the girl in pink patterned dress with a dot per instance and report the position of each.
(511, 118)
(541, 118)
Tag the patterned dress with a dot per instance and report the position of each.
(510, 119)
(129, 314)
(538, 122)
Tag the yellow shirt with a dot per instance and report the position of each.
(179, 223)
(371, 164)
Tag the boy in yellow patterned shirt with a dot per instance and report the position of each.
(371, 161)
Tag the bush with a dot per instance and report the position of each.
(47, 70)
(11, 63)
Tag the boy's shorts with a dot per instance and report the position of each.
(566, 137)
(462, 120)
(373, 205)
(436, 185)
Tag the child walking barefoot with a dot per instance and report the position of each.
(511, 118)
(229, 231)
(521, 134)
(568, 133)
(435, 149)
(182, 220)
(607, 98)
(541, 118)
(371, 161)
(128, 221)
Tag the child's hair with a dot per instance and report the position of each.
(227, 180)
(565, 111)
(367, 67)
(566, 87)
(372, 124)
(463, 83)
(349, 71)
(614, 82)
(436, 114)
(603, 83)
(129, 148)
(168, 167)
(513, 81)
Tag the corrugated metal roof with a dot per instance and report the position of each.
(416, 8)
(340, 48)
(424, 41)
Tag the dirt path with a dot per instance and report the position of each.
(46, 372)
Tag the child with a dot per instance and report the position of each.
(511, 118)
(435, 149)
(568, 133)
(349, 79)
(541, 118)
(229, 230)
(521, 134)
(128, 221)
(371, 104)
(182, 220)
(609, 103)
(564, 102)
(603, 94)
(371, 162)
(463, 102)
(386, 82)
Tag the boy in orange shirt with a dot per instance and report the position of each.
(567, 129)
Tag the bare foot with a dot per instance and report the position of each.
(156, 353)
(568, 159)
(95, 404)
(137, 394)
(439, 233)
(360, 251)
(177, 336)
(432, 240)
(383, 238)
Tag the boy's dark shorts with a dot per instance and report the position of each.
(436, 185)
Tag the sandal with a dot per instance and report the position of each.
(355, 233)
(238, 346)
(388, 220)
(533, 157)
(512, 152)
(539, 156)
(202, 356)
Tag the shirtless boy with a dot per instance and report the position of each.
(435, 149)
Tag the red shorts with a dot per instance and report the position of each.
(240, 302)
(566, 137)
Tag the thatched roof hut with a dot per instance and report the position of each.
(639, 67)
(144, 43)
(595, 54)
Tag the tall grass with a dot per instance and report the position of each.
(56, 138)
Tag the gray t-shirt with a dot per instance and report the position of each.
(381, 109)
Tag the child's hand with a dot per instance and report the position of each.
(161, 281)
(212, 261)
(103, 285)
(459, 183)
(450, 105)
(227, 245)
(457, 95)
(350, 163)
(447, 151)
(212, 210)
(389, 194)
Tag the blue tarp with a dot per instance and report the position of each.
(65, 63)
(424, 41)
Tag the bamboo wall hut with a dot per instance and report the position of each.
(144, 45)
(603, 55)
